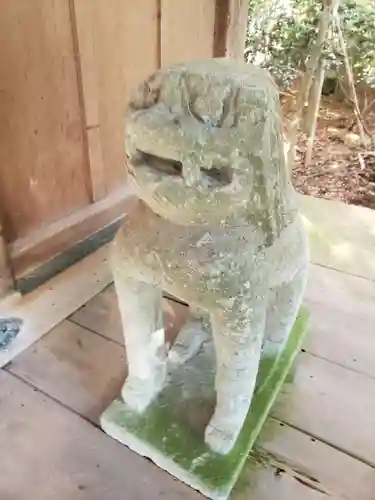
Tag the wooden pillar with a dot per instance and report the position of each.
(187, 30)
(230, 28)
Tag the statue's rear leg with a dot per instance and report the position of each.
(282, 310)
(191, 337)
(140, 306)
(238, 335)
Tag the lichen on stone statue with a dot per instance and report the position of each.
(217, 226)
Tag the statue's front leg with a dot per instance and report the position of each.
(238, 335)
(140, 307)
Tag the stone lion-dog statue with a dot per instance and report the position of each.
(217, 227)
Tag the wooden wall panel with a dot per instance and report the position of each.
(187, 30)
(118, 47)
(43, 174)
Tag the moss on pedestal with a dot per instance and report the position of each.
(171, 431)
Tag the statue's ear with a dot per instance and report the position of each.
(147, 93)
(229, 117)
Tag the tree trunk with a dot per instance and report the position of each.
(309, 111)
(326, 18)
(349, 75)
(312, 112)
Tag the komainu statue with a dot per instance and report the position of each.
(217, 227)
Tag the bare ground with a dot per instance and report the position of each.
(341, 168)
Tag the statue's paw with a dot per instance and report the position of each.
(134, 395)
(272, 349)
(188, 342)
(220, 439)
(139, 393)
(179, 354)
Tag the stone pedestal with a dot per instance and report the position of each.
(171, 431)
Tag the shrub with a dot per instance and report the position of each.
(280, 34)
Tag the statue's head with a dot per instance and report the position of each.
(204, 144)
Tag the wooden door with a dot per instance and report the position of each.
(66, 70)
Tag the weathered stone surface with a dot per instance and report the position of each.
(217, 226)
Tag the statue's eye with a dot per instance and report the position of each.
(162, 165)
(217, 177)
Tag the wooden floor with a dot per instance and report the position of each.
(318, 444)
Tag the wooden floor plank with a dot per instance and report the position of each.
(321, 466)
(52, 302)
(85, 371)
(101, 315)
(267, 484)
(79, 368)
(50, 453)
(342, 322)
(341, 236)
(82, 370)
(333, 403)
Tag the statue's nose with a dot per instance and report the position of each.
(191, 171)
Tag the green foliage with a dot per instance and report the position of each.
(359, 24)
(281, 32)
